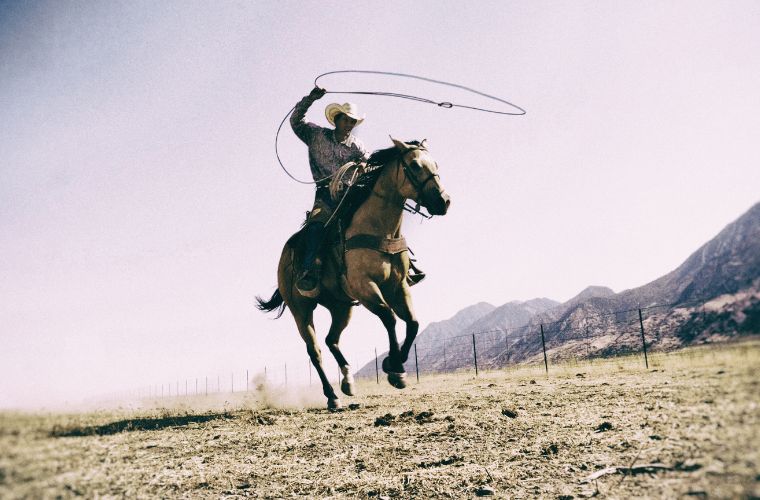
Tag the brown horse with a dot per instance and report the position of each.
(376, 265)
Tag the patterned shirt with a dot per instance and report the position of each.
(326, 154)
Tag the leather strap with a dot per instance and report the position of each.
(389, 246)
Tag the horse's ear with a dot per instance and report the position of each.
(400, 144)
(423, 144)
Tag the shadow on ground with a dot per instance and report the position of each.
(136, 424)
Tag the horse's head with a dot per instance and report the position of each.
(421, 181)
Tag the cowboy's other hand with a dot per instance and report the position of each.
(317, 93)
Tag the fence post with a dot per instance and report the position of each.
(643, 340)
(232, 382)
(206, 385)
(445, 365)
(416, 363)
(506, 348)
(377, 370)
(543, 344)
(704, 315)
(246, 380)
(475, 354)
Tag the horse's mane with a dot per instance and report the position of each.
(384, 156)
(360, 191)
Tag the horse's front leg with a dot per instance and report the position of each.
(393, 365)
(401, 302)
(369, 295)
(412, 327)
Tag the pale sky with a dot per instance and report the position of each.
(142, 207)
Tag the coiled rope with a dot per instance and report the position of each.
(444, 104)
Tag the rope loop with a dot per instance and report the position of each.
(517, 110)
(445, 104)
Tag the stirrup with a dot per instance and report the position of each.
(415, 275)
(306, 291)
(413, 279)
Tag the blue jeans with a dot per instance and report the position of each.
(315, 232)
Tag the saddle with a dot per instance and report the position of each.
(331, 254)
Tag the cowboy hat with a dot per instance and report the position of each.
(349, 109)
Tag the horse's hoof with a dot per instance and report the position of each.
(397, 380)
(389, 368)
(334, 404)
(347, 386)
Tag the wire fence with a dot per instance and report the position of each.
(582, 335)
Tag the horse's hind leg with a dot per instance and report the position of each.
(341, 315)
(305, 322)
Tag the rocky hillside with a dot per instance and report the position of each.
(714, 293)
(476, 318)
(456, 324)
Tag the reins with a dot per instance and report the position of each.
(406, 169)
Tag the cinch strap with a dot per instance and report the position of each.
(389, 246)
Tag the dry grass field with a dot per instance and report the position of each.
(689, 427)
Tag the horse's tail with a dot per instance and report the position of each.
(276, 302)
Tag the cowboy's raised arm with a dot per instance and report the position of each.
(301, 127)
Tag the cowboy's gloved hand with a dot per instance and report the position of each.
(317, 93)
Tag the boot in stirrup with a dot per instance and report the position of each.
(308, 283)
(415, 275)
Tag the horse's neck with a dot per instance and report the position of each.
(381, 212)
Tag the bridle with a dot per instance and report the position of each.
(419, 186)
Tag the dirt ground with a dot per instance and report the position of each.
(689, 427)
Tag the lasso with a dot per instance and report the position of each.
(517, 110)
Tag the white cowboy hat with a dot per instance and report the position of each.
(349, 109)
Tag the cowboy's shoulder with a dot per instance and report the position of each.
(358, 144)
(322, 138)
(325, 134)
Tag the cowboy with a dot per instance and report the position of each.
(329, 149)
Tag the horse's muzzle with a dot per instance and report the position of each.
(440, 204)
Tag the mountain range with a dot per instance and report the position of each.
(714, 294)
